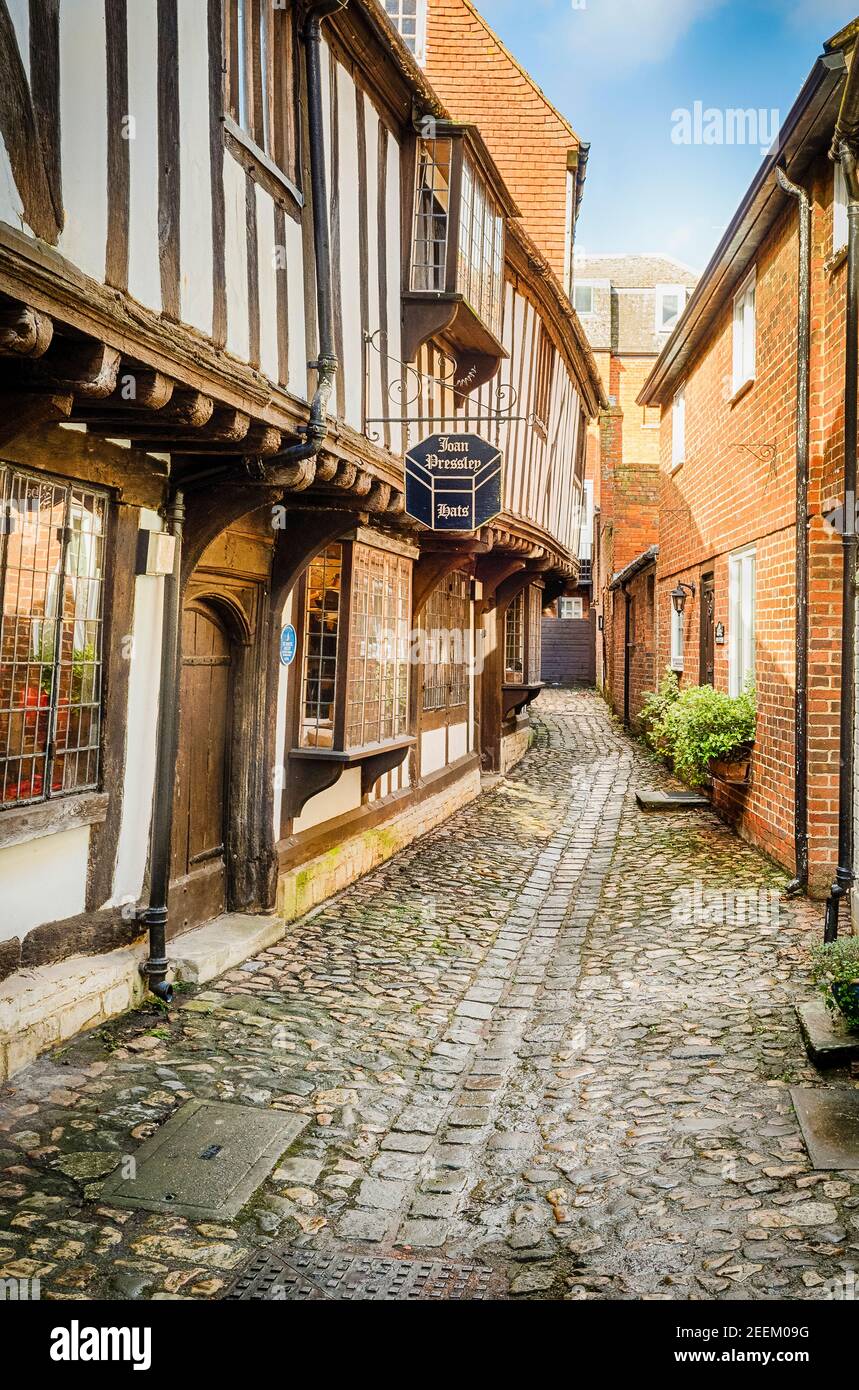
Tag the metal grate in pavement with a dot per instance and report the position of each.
(292, 1273)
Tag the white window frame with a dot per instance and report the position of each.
(583, 285)
(678, 428)
(396, 18)
(678, 636)
(742, 595)
(662, 292)
(839, 209)
(744, 332)
(571, 602)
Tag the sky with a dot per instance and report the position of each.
(623, 72)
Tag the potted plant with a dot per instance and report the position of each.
(705, 733)
(835, 970)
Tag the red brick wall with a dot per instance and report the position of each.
(736, 488)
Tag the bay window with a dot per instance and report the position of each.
(355, 659)
(52, 538)
(454, 282)
(514, 640)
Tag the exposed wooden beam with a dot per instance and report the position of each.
(24, 332)
(82, 369)
(20, 415)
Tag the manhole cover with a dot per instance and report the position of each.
(829, 1120)
(206, 1161)
(293, 1273)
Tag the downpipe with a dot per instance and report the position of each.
(290, 468)
(155, 916)
(800, 881)
(844, 875)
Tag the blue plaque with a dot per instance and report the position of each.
(453, 482)
(288, 645)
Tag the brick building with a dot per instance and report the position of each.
(628, 306)
(734, 525)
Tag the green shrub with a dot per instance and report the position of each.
(693, 726)
(835, 965)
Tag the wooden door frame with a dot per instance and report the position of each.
(705, 624)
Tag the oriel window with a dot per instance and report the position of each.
(432, 216)
(514, 641)
(52, 543)
(445, 629)
(321, 634)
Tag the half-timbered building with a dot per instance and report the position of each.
(248, 259)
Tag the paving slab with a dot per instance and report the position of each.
(827, 1037)
(829, 1119)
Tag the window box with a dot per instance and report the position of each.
(454, 279)
(735, 769)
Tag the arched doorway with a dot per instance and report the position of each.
(200, 810)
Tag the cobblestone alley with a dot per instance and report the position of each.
(509, 1050)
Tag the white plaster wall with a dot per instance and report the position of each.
(43, 880)
(141, 733)
(83, 121)
(371, 126)
(236, 241)
(267, 275)
(298, 353)
(433, 742)
(349, 248)
(144, 275)
(344, 796)
(195, 196)
(394, 276)
(457, 741)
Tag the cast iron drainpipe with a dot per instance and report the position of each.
(800, 814)
(155, 915)
(843, 149)
(294, 468)
(326, 363)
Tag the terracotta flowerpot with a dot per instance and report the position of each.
(731, 770)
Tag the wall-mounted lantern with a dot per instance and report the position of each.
(678, 596)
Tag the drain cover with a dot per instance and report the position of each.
(206, 1161)
(829, 1120)
(294, 1273)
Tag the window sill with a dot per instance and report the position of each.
(18, 824)
(274, 180)
(836, 260)
(314, 770)
(516, 695)
(741, 392)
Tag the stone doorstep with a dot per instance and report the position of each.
(827, 1040)
(49, 1004)
(672, 801)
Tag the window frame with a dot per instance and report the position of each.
(419, 51)
(744, 333)
(742, 617)
(584, 285)
(52, 756)
(269, 130)
(840, 229)
(544, 375)
(348, 658)
(447, 610)
(676, 660)
(678, 428)
(572, 599)
(662, 292)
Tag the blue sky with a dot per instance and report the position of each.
(619, 69)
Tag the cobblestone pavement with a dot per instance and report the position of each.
(510, 1048)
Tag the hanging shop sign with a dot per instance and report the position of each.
(288, 644)
(453, 482)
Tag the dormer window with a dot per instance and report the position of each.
(670, 303)
(455, 277)
(410, 17)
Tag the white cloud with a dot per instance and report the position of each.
(621, 34)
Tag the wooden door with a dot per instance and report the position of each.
(198, 888)
(707, 659)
